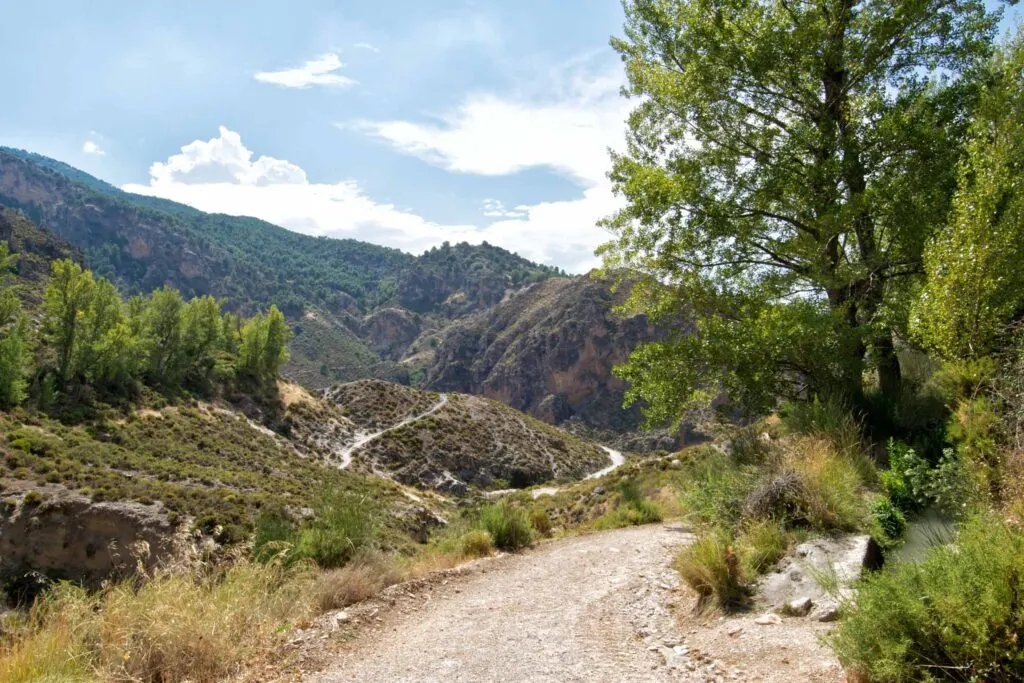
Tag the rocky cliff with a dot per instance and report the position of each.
(63, 534)
(549, 351)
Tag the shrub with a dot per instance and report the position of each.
(913, 483)
(508, 525)
(715, 487)
(343, 525)
(888, 524)
(955, 616)
(781, 497)
(833, 485)
(712, 567)
(476, 543)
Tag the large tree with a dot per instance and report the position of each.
(785, 166)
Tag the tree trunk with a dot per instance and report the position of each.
(890, 377)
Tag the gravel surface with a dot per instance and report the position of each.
(599, 607)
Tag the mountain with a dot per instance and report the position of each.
(464, 318)
(327, 286)
(35, 249)
(549, 351)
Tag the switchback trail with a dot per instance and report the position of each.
(588, 608)
(346, 453)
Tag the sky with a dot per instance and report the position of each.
(400, 122)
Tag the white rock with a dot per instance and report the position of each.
(342, 617)
(768, 620)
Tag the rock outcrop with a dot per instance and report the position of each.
(549, 351)
(390, 331)
(64, 535)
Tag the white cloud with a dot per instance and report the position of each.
(90, 147)
(496, 208)
(485, 135)
(319, 71)
(367, 46)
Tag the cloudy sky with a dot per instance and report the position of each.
(400, 122)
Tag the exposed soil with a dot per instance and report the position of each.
(600, 607)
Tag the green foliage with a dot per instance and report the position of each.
(263, 347)
(889, 525)
(715, 487)
(13, 337)
(782, 202)
(508, 525)
(762, 544)
(343, 525)
(956, 616)
(912, 483)
(975, 286)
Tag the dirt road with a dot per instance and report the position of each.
(589, 608)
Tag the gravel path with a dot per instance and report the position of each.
(589, 608)
(363, 439)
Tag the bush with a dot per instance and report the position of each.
(955, 616)
(344, 525)
(509, 526)
(888, 524)
(782, 497)
(715, 487)
(913, 483)
(365, 576)
(712, 567)
(540, 521)
(476, 543)
(832, 483)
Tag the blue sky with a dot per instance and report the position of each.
(399, 122)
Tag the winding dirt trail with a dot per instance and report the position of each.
(588, 608)
(362, 440)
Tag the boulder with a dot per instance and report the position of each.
(836, 562)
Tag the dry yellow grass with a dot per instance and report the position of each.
(363, 578)
(171, 628)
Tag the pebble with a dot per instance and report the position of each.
(768, 620)
(342, 617)
(735, 631)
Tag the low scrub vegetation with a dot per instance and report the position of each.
(508, 525)
(750, 500)
(957, 615)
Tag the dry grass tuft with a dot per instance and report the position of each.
(171, 628)
(364, 577)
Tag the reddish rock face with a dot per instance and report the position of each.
(548, 351)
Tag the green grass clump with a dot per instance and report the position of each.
(957, 616)
(762, 544)
(632, 509)
(344, 524)
(508, 525)
(712, 567)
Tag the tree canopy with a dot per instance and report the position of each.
(785, 167)
(975, 283)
